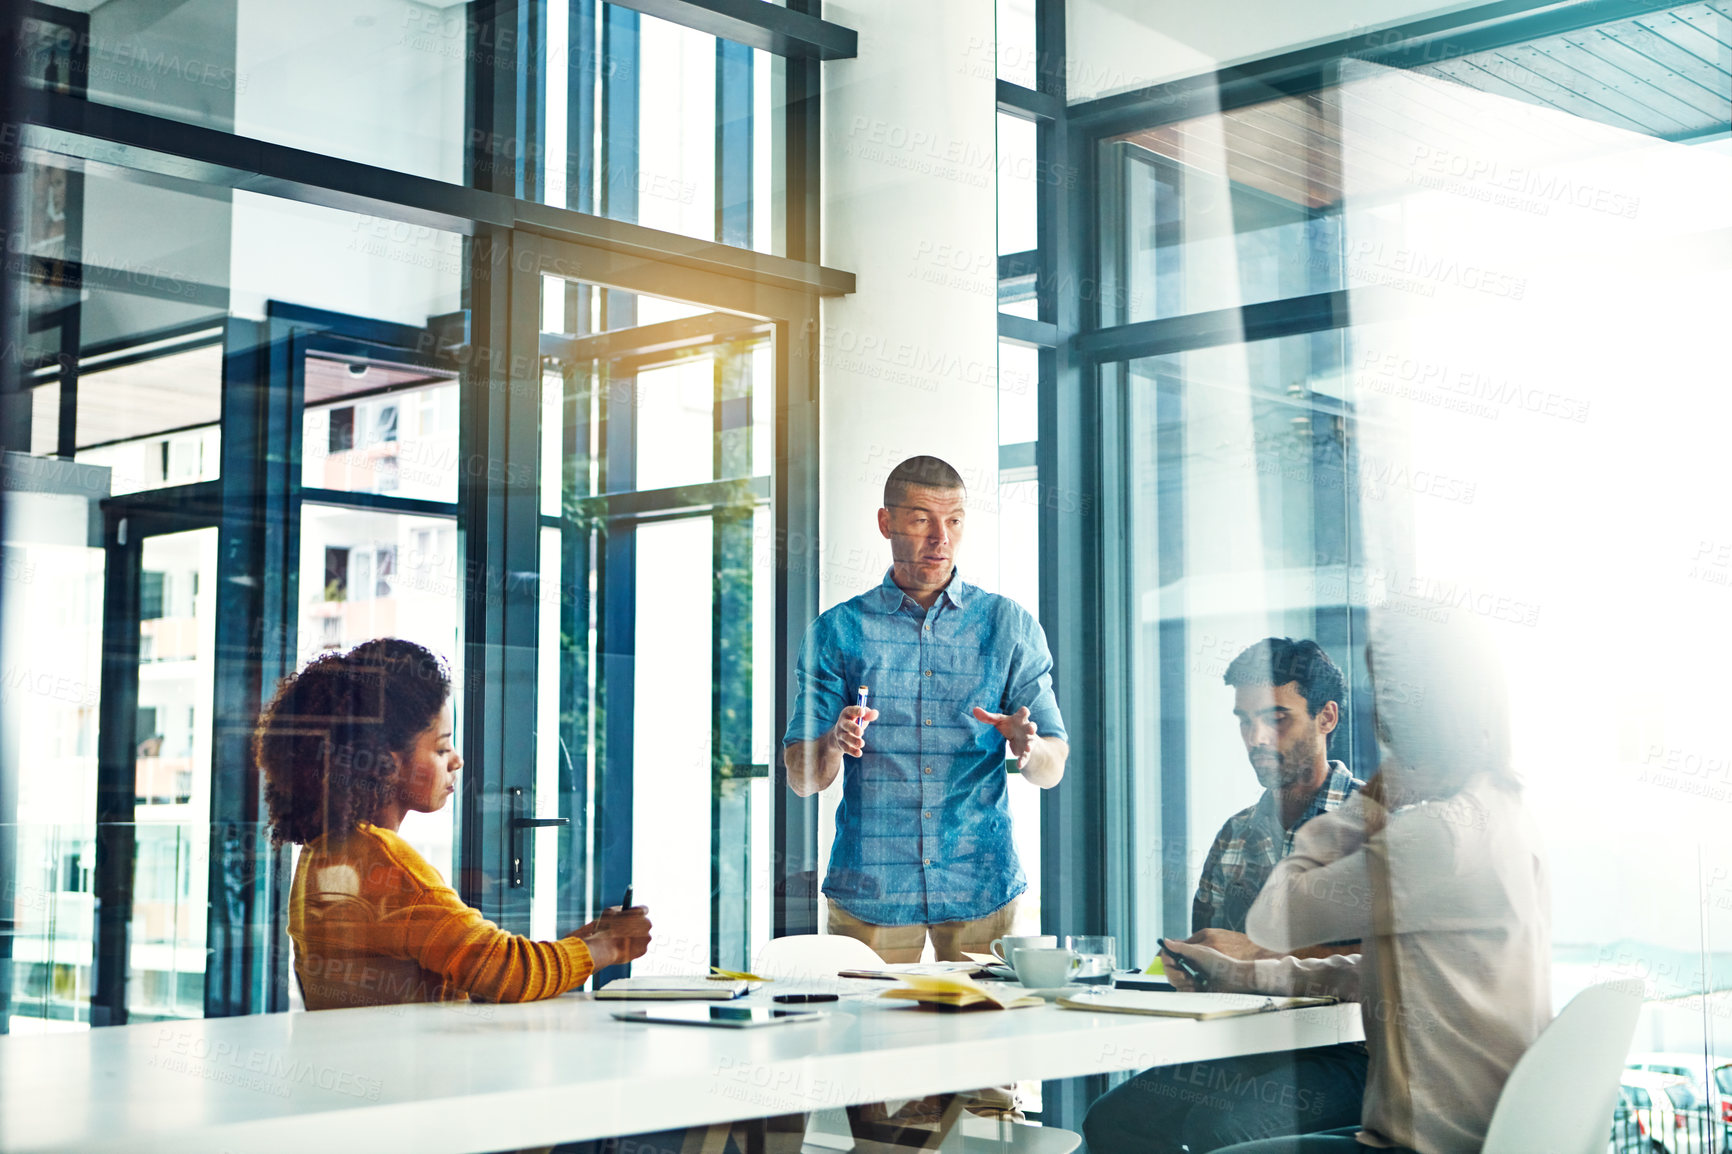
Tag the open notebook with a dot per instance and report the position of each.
(667, 988)
(957, 992)
(1184, 1005)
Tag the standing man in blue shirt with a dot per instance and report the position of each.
(951, 672)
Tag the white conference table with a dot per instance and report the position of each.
(462, 1079)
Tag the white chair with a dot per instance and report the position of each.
(814, 956)
(1561, 1094)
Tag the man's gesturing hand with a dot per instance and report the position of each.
(849, 732)
(1016, 728)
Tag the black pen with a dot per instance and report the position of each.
(625, 902)
(1188, 967)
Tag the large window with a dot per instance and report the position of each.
(1426, 336)
(258, 427)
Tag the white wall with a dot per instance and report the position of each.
(1117, 46)
(909, 360)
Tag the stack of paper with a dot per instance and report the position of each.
(1184, 1005)
(903, 969)
(666, 988)
(957, 992)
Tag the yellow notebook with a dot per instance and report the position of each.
(956, 992)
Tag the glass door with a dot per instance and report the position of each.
(655, 699)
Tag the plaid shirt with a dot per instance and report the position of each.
(1247, 849)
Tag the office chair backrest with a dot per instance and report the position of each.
(1561, 1094)
(814, 956)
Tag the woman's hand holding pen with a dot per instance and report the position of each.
(618, 936)
(849, 732)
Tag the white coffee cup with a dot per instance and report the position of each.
(1044, 967)
(1004, 948)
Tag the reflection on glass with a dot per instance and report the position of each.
(1529, 317)
(640, 401)
(153, 421)
(1223, 210)
(367, 574)
(1241, 524)
(373, 427)
(50, 691)
(171, 775)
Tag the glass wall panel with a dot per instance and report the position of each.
(671, 842)
(365, 574)
(1241, 525)
(1228, 209)
(1509, 351)
(1019, 176)
(653, 575)
(50, 695)
(172, 775)
(1016, 57)
(373, 427)
(1438, 469)
(168, 321)
(664, 126)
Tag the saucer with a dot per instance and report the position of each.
(1002, 973)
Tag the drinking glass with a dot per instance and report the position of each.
(1099, 954)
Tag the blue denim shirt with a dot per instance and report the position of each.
(923, 829)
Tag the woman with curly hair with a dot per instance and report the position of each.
(348, 747)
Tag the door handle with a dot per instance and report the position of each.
(519, 824)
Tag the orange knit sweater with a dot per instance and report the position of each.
(374, 924)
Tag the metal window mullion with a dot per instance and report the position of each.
(618, 197)
(616, 687)
(1241, 324)
(129, 145)
(519, 584)
(256, 486)
(794, 477)
(71, 338)
(731, 677)
(1068, 457)
(788, 30)
(481, 439)
(733, 144)
(116, 771)
(575, 718)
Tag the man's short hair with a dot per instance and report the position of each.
(1277, 660)
(925, 472)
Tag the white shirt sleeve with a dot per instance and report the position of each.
(1321, 892)
(1334, 977)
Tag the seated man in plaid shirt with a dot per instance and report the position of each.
(1287, 696)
